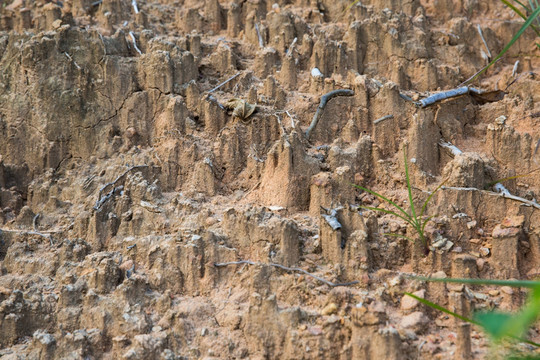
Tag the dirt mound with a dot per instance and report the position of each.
(146, 212)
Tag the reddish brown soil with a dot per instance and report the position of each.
(124, 180)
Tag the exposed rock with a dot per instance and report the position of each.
(416, 321)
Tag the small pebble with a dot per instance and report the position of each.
(329, 309)
(500, 120)
(480, 264)
(507, 290)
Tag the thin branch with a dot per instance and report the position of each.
(253, 188)
(452, 148)
(456, 151)
(261, 42)
(135, 42)
(73, 61)
(526, 202)
(501, 189)
(101, 200)
(478, 73)
(215, 101)
(329, 283)
(515, 69)
(34, 222)
(225, 82)
(24, 232)
(501, 194)
(291, 47)
(484, 41)
(282, 128)
(324, 100)
(386, 117)
(435, 98)
(104, 48)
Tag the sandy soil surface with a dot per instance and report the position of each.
(149, 210)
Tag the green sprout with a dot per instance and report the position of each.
(416, 221)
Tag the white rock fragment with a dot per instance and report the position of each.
(316, 73)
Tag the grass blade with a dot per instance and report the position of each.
(386, 212)
(523, 5)
(513, 283)
(524, 27)
(430, 196)
(350, 6)
(523, 16)
(488, 185)
(443, 309)
(409, 189)
(385, 199)
(425, 223)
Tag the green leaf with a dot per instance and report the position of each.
(494, 323)
(500, 325)
(524, 27)
(519, 323)
(463, 318)
(513, 283)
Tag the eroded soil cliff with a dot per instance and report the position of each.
(124, 178)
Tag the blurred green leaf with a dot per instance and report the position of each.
(494, 323)
(513, 283)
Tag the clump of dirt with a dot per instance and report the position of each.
(143, 218)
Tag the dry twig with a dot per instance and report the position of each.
(386, 117)
(34, 222)
(135, 42)
(504, 194)
(484, 41)
(249, 262)
(112, 185)
(435, 98)
(515, 68)
(324, 100)
(225, 82)
(261, 42)
(73, 61)
(24, 232)
(291, 47)
(452, 148)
